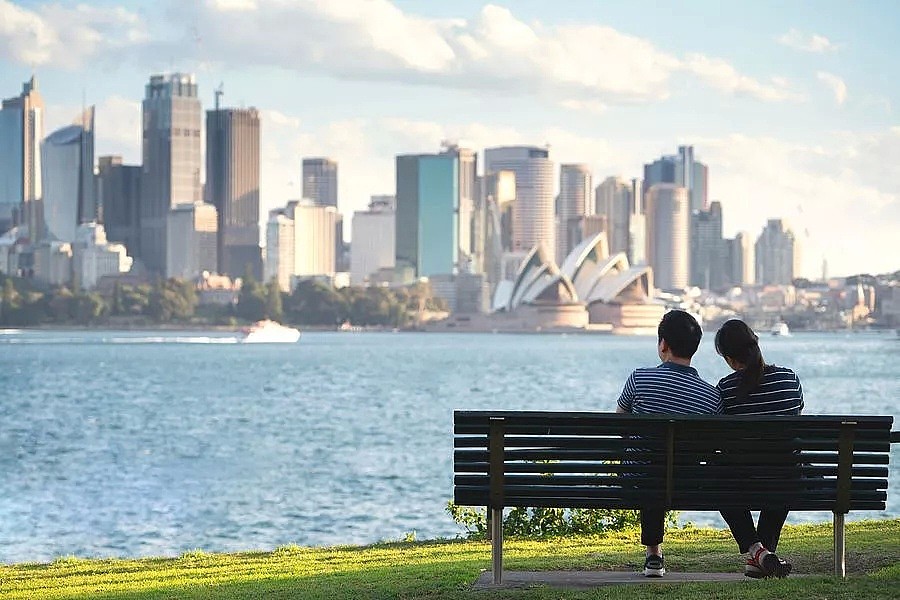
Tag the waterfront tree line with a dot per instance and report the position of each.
(176, 302)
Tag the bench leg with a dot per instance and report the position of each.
(840, 564)
(497, 544)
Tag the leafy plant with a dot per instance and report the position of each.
(541, 521)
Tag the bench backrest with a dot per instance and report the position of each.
(605, 460)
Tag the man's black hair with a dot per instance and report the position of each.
(681, 332)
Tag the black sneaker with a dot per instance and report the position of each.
(654, 566)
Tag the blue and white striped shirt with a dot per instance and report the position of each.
(669, 388)
(779, 393)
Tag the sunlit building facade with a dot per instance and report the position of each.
(534, 218)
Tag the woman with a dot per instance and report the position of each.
(756, 388)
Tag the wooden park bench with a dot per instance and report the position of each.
(701, 463)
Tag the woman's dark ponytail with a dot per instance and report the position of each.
(735, 340)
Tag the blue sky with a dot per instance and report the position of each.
(795, 106)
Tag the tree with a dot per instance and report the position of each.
(252, 302)
(10, 300)
(172, 299)
(274, 305)
(316, 303)
(89, 308)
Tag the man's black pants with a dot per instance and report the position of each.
(653, 526)
(767, 532)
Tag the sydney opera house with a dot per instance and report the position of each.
(591, 291)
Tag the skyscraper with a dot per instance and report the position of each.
(776, 254)
(708, 251)
(314, 240)
(742, 261)
(320, 183)
(614, 202)
(496, 197)
(576, 199)
(69, 185)
(534, 217)
(21, 132)
(667, 235)
(171, 158)
(693, 175)
(373, 242)
(468, 166)
(191, 240)
(232, 186)
(119, 194)
(637, 225)
(427, 216)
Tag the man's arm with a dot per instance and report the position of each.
(625, 404)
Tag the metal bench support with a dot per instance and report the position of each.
(495, 456)
(840, 563)
(497, 544)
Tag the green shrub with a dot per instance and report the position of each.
(539, 522)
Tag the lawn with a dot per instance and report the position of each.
(447, 568)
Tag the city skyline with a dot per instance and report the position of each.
(790, 111)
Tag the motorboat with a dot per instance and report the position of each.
(269, 332)
(781, 328)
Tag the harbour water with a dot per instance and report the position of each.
(147, 444)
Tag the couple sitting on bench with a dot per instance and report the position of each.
(755, 388)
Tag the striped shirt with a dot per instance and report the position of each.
(779, 393)
(669, 388)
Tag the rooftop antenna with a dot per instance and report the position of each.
(220, 91)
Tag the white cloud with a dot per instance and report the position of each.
(835, 84)
(807, 42)
(721, 75)
(583, 66)
(65, 36)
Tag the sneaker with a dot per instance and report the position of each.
(654, 566)
(770, 566)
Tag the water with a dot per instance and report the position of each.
(137, 444)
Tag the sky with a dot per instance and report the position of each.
(794, 106)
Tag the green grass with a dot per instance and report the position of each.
(447, 569)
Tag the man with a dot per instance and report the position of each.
(673, 387)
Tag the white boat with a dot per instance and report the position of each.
(781, 328)
(269, 332)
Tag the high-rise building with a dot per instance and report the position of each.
(741, 259)
(776, 254)
(427, 213)
(667, 235)
(637, 225)
(534, 219)
(232, 186)
(280, 248)
(576, 199)
(373, 242)
(171, 159)
(708, 251)
(68, 181)
(467, 161)
(614, 201)
(119, 194)
(693, 175)
(682, 170)
(21, 132)
(320, 181)
(191, 240)
(300, 242)
(495, 200)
